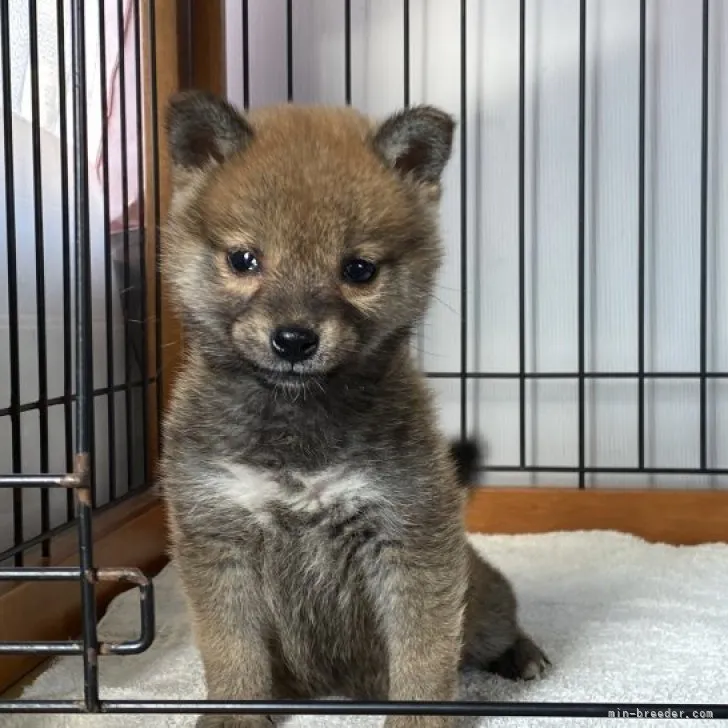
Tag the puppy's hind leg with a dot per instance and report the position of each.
(494, 641)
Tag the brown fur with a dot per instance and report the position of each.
(316, 511)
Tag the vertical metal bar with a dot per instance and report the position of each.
(128, 400)
(704, 239)
(66, 250)
(154, 116)
(582, 229)
(84, 371)
(289, 47)
(246, 56)
(141, 201)
(10, 232)
(347, 52)
(40, 297)
(185, 12)
(108, 259)
(522, 232)
(641, 244)
(407, 100)
(463, 223)
(406, 50)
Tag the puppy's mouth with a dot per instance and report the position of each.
(291, 377)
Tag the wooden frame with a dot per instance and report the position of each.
(679, 517)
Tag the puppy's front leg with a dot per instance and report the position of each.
(423, 622)
(229, 632)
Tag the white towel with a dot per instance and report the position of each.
(622, 620)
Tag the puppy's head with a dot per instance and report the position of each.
(301, 240)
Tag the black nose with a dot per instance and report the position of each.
(294, 343)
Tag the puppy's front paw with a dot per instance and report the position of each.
(524, 660)
(235, 721)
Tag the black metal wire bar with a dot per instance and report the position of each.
(405, 50)
(46, 573)
(289, 48)
(582, 237)
(154, 118)
(246, 56)
(103, 391)
(73, 647)
(10, 232)
(128, 398)
(147, 620)
(463, 221)
(84, 370)
(40, 287)
(37, 540)
(62, 400)
(66, 250)
(42, 480)
(522, 233)
(343, 707)
(347, 51)
(108, 259)
(142, 243)
(704, 237)
(497, 468)
(406, 101)
(185, 23)
(576, 375)
(641, 242)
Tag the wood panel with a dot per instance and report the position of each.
(131, 533)
(201, 31)
(668, 516)
(189, 34)
(166, 83)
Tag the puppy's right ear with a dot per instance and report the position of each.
(203, 129)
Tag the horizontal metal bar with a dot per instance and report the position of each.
(342, 707)
(24, 480)
(576, 375)
(63, 399)
(41, 706)
(47, 573)
(597, 470)
(71, 647)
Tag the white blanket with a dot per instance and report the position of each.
(621, 619)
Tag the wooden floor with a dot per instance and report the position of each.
(15, 691)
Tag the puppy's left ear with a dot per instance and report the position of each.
(417, 142)
(204, 129)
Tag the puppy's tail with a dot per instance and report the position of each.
(467, 455)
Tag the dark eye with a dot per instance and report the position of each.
(243, 261)
(359, 270)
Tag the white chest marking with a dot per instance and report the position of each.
(256, 490)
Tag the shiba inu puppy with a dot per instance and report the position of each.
(316, 511)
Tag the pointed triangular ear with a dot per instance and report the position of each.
(203, 128)
(417, 142)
